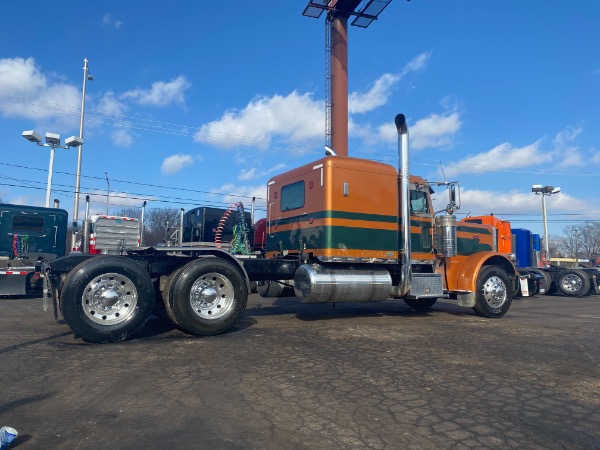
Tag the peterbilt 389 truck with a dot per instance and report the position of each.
(343, 229)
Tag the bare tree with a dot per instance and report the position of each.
(158, 222)
(590, 241)
(129, 212)
(570, 242)
(554, 246)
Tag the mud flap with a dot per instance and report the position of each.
(13, 282)
(524, 285)
(466, 299)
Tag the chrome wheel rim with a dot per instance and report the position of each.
(495, 292)
(109, 299)
(571, 282)
(212, 296)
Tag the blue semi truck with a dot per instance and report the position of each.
(29, 235)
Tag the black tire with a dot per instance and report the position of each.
(420, 304)
(208, 296)
(107, 298)
(166, 295)
(547, 283)
(573, 283)
(494, 292)
(533, 286)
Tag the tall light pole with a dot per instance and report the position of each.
(52, 141)
(545, 191)
(86, 76)
(576, 233)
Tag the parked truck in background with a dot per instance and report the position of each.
(343, 229)
(109, 235)
(524, 247)
(571, 282)
(28, 236)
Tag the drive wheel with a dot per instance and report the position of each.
(208, 296)
(423, 304)
(107, 298)
(167, 295)
(494, 294)
(573, 283)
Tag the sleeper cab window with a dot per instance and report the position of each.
(292, 196)
(418, 202)
(27, 223)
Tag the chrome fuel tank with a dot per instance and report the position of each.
(317, 284)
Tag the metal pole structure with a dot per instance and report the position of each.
(50, 168)
(546, 240)
(339, 84)
(79, 152)
(107, 191)
(143, 224)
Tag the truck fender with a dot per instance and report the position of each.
(466, 280)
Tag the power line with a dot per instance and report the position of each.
(130, 182)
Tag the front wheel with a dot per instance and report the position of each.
(207, 296)
(107, 298)
(494, 293)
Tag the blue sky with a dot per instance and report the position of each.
(199, 103)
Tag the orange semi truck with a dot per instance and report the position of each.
(340, 229)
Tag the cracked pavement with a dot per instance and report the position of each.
(295, 376)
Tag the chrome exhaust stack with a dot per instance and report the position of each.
(403, 288)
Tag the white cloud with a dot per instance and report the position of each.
(568, 135)
(19, 76)
(378, 95)
(161, 93)
(362, 102)
(569, 157)
(116, 199)
(25, 200)
(433, 131)
(30, 94)
(296, 117)
(121, 137)
(479, 202)
(254, 173)
(173, 164)
(110, 105)
(232, 193)
(109, 20)
(501, 157)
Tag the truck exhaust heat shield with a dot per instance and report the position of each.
(317, 284)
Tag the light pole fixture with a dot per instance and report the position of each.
(86, 76)
(52, 141)
(545, 191)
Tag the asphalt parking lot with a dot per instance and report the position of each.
(310, 376)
